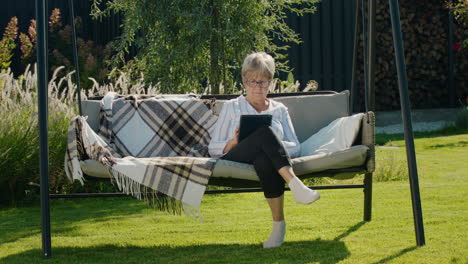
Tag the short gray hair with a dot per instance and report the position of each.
(259, 62)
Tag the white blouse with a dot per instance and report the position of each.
(229, 119)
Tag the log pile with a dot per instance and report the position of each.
(425, 34)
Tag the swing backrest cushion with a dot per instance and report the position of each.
(309, 113)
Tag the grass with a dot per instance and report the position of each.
(386, 139)
(329, 231)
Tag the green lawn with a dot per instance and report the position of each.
(328, 231)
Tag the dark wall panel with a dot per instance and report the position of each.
(325, 55)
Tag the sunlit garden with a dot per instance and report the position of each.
(197, 48)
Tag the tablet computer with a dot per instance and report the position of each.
(250, 123)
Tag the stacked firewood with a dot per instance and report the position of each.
(424, 26)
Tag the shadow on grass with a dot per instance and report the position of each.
(23, 222)
(67, 213)
(397, 255)
(311, 251)
(350, 230)
(317, 251)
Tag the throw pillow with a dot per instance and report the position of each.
(338, 135)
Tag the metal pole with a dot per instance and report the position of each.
(365, 53)
(369, 97)
(237, 190)
(406, 115)
(75, 55)
(41, 8)
(451, 59)
(371, 57)
(353, 97)
(368, 197)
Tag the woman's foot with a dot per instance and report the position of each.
(277, 235)
(301, 193)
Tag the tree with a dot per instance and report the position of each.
(186, 44)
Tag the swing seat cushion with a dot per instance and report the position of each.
(352, 157)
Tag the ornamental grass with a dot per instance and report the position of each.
(19, 131)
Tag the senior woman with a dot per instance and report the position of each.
(269, 149)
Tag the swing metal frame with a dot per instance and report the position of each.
(368, 31)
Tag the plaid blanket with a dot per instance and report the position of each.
(155, 148)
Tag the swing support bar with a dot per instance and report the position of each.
(41, 18)
(242, 190)
(406, 116)
(41, 7)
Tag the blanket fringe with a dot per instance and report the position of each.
(153, 199)
(125, 184)
(192, 211)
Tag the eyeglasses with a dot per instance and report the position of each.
(261, 84)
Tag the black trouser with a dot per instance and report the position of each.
(266, 152)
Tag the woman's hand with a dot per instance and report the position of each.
(232, 142)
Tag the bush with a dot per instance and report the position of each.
(460, 10)
(19, 139)
(7, 43)
(19, 133)
(91, 57)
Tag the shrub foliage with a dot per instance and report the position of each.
(19, 138)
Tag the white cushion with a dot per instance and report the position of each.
(337, 136)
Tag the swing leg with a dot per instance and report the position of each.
(368, 197)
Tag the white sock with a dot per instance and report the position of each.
(301, 193)
(277, 235)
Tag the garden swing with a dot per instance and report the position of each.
(329, 105)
